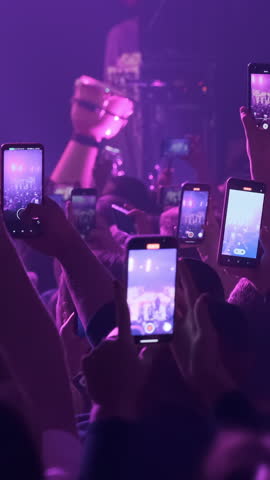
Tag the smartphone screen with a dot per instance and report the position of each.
(193, 213)
(177, 147)
(260, 94)
(170, 197)
(151, 291)
(260, 99)
(84, 211)
(242, 224)
(22, 184)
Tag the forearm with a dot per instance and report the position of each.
(32, 343)
(89, 283)
(76, 165)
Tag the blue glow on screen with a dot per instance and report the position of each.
(151, 291)
(243, 223)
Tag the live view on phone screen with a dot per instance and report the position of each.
(84, 212)
(171, 197)
(22, 184)
(260, 99)
(151, 291)
(243, 223)
(193, 215)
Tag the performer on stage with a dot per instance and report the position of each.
(122, 70)
(123, 38)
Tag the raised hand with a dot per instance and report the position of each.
(113, 370)
(258, 147)
(97, 110)
(185, 326)
(208, 251)
(195, 345)
(56, 229)
(75, 347)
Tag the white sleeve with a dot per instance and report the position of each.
(61, 455)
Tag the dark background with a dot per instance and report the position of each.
(44, 46)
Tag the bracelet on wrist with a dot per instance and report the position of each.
(86, 140)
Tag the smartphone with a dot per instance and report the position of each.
(259, 93)
(151, 281)
(83, 201)
(169, 196)
(64, 190)
(241, 224)
(122, 220)
(193, 210)
(175, 147)
(22, 183)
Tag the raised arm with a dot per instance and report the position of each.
(89, 283)
(97, 112)
(29, 337)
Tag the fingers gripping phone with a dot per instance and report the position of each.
(193, 211)
(22, 184)
(151, 281)
(241, 224)
(83, 202)
(259, 93)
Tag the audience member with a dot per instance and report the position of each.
(196, 406)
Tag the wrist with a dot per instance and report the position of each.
(88, 140)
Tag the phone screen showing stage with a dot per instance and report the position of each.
(151, 290)
(171, 197)
(177, 147)
(22, 184)
(260, 99)
(193, 215)
(84, 213)
(243, 224)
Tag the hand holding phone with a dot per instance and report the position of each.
(241, 224)
(151, 287)
(259, 93)
(22, 184)
(193, 211)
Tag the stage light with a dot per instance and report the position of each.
(108, 132)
